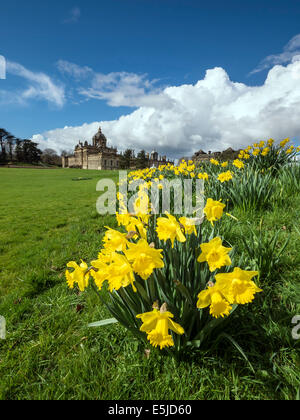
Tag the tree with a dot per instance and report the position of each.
(19, 155)
(50, 157)
(125, 159)
(142, 161)
(66, 153)
(11, 141)
(31, 154)
(3, 136)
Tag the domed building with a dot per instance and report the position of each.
(99, 156)
(96, 156)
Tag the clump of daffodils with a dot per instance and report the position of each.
(153, 267)
(267, 155)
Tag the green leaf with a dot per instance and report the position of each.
(103, 322)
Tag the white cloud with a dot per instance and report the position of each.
(291, 49)
(122, 89)
(116, 88)
(213, 114)
(74, 70)
(74, 15)
(39, 87)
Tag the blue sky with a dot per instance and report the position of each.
(81, 63)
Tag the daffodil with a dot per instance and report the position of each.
(284, 142)
(114, 240)
(99, 272)
(79, 275)
(203, 175)
(123, 219)
(189, 225)
(265, 151)
(219, 306)
(238, 286)
(141, 204)
(120, 273)
(144, 258)
(224, 164)
(225, 176)
(213, 210)
(214, 162)
(215, 254)
(169, 228)
(156, 325)
(131, 223)
(238, 163)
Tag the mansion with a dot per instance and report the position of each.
(99, 156)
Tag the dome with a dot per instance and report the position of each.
(99, 138)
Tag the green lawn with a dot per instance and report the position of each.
(47, 219)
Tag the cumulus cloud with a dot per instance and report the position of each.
(290, 50)
(39, 87)
(213, 114)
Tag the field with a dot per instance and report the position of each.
(49, 218)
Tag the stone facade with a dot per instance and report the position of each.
(101, 157)
(155, 160)
(228, 154)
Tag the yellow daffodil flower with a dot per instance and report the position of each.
(79, 275)
(214, 162)
(189, 225)
(265, 151)
(120, 273)
(219, 306)
(237, 286)
(238, 163)
(203, 175)
(157, 325)
(284, 142)
(169, 228)
(225, 176)
(114, 240)
(144, 258)
(213, 210)
(215, 254)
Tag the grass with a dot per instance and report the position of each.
(48, 219)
